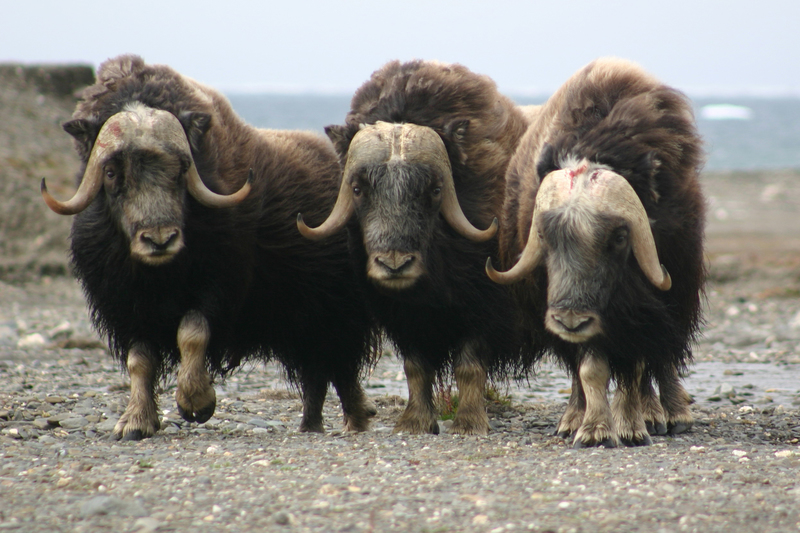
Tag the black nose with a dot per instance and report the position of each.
(159, 240)
(395, 262)
(573, 322)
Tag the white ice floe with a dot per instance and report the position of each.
(725, 112)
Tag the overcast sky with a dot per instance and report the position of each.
(733, 47)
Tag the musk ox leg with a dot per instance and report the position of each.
(471, 417)
(572, 418)
(140, 419)
(628, 414)
(357, 408)
(676, 402)
(653, 412)
(195, 395)
(420, 413)
(314, 389)
(597, 428)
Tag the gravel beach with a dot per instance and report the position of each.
(248, 469)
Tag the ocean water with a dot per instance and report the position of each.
(739, 133)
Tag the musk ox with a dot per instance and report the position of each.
(185, 260)
(603, 234)
(424, 149)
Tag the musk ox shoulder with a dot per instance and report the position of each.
(602, 236)
(184, 243)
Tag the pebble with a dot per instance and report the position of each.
(109, 505)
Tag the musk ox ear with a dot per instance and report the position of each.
(340, 137)
(455, 132)
(85, 132)
(547, 161)
(195, 124)
(651, 164)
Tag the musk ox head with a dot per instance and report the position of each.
(587, 220)
(141, 160)
(397, 180)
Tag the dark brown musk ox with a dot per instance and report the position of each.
(424, 150)
(186, 261)
(602, 231)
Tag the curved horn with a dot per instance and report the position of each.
(209, 198)
(109, 139)
(341, 213)
(620, 198)
(453, 214)
(450, 208)
(553, 191)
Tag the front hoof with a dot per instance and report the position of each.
(196, 404)
(357, 424)
(608, 442)
(657, 428)
(676, 428)
(134, 435)
(311, 427)
(416, 427)
(639, 440)
(564, 433)
(200, 416)
(465, 429)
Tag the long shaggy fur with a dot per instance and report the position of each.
(265, 290)
(480, 129)
(613, 113)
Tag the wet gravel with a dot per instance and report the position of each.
(248, 468)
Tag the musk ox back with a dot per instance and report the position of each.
(185, 246)
(424, 149)
(603, 236)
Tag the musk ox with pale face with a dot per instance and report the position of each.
(185, 246)
(602, 235)
(424, 151)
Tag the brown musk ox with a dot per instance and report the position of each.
(186, 261)
(424, 150)
(602, 233)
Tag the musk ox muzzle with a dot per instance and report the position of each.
(146, 130)
(582, 195)
(391, 235)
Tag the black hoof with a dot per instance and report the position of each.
(311, 428)
(136, 434)
(633, 443)
(605, 443)
(562, 434)
(679, 427)
(659, 428)
(204, 414)
(186, 415)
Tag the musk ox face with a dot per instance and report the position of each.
(586, 255)
(587, 221)
(397, 205)
(145, 191)
(141, 161)
(397, 180)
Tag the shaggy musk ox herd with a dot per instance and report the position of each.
(202, 242)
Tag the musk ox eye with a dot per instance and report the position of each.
(356, 191)
(437, 191)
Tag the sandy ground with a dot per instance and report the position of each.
(247, 469)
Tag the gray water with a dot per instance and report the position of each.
(754, 384)
(769, 139)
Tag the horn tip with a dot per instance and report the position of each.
(43, 186)
(304, 230)
(666, 284)
(491, 272)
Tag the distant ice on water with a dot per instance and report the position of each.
(725, 112)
